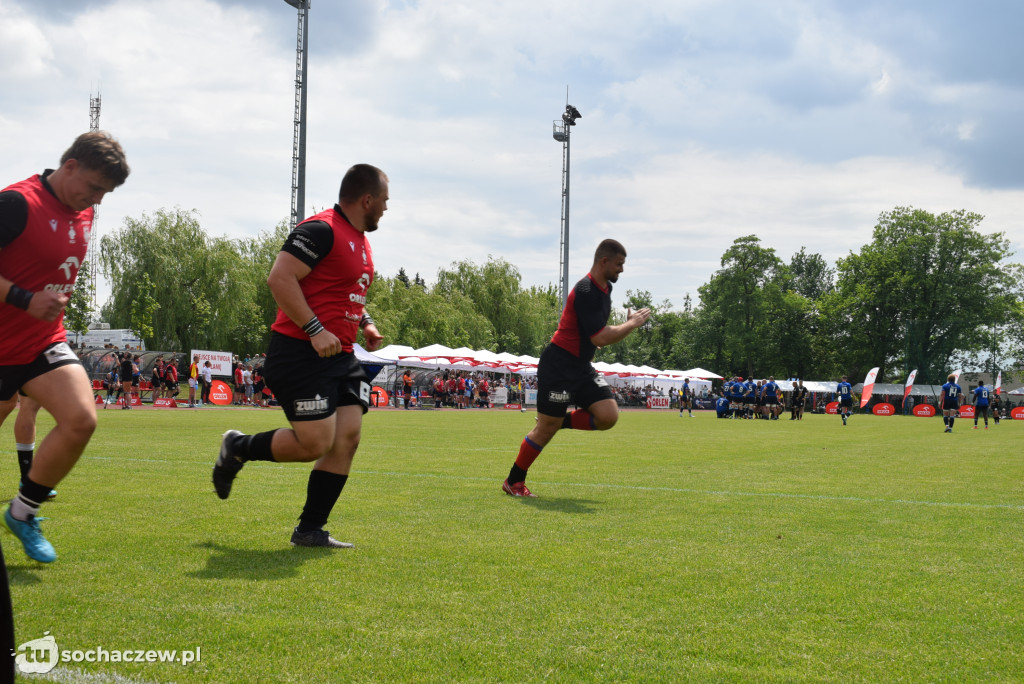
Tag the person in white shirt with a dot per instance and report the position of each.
(247, 381)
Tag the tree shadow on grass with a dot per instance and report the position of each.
(572, 506)
(255, 564)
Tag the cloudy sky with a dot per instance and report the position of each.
(795, 120)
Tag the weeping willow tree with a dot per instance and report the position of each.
(188, 290)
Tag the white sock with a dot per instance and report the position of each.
(22, 509)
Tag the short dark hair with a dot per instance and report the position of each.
(98, 151)
(361, 179)
(609, 248)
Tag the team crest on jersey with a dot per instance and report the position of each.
(364, 256)
(71, 232)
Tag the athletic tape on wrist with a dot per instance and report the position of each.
(365, 320)
(313, 327)
(19, 297)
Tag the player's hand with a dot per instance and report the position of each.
(638, 317)
(46, 305)
(326, 343)
(372, 337)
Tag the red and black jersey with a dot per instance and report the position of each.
(585, 314)
(342, 266)
(42, 245)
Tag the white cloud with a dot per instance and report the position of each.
(702, 121)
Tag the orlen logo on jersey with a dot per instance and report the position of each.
(364, 282)
(71, 261)
(62, 288)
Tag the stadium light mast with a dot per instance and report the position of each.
(90, 251)
(560, 132)
(299, 138)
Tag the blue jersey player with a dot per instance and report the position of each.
(771, 397)
(722, 407)
(952, 396)
(844, 392)
(981, 403)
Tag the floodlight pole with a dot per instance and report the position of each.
(560, 132)
(299, 137)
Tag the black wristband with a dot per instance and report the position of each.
(365, 320)
(19, 297)
(313, 327)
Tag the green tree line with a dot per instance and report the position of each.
(928, 292)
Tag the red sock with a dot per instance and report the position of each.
(528, 453)
(580, 419)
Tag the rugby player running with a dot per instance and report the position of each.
(564, 373)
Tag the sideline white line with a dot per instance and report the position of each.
(714, 492)
(65, 675)
(641, 488)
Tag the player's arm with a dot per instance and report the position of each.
(303, 249)
(45, 305)
(283, 281)
(610, 334)
(371, 335)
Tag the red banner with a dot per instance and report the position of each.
(924, 410)
(967, 411)
(165, 402)
(220, 393)
(514, 406)
(832, 407)
(658, 403)
(884, 409)
(1017, 413)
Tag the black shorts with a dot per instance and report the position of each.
(846, 402)
(563, 379)
(309, 387)
(13, 377)
(950, 405)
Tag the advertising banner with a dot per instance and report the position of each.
(220, 362)
(220, 393)
(884, 409)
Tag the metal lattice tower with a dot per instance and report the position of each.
(299, 140)
(91, 250)
(560, 132)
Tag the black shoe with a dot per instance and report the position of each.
(318, 538)
(227, 466)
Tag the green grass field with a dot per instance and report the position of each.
(664, 550)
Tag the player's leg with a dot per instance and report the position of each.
(328, 479)
(66, 393)
(529, 449)
(25, 435)
(305, 441)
